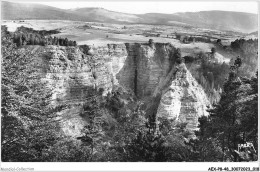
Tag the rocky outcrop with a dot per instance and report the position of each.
(183, 99)
(72, 73)
(144, 67)
(148, 70)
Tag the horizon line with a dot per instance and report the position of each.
(54, 4)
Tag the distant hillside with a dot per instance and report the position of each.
(221, 20)
(254, 33)
(103, 15)
(19, 11)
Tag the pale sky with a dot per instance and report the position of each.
(157, 6)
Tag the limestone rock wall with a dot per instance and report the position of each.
(72, 73)
(145, 65)
(68, 73)
(183, 99)
(147, 70)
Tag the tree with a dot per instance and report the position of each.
(188, 59)
(219, 42)
(213, 50)
(238, 62)
(178, 53)
(28, 125)
(37, 40)
(151, 41)
(249, 109)
(205, 147)
(32, 39)
(91, 110)
(4, 30)
(147, 147)
(166, 143)
(28, 36)
(66, 42)
(228, 123)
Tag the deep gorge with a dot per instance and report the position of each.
(146, 70)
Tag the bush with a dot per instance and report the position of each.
(213, 50)
(188, 59)
(28, 36)
(151, 41)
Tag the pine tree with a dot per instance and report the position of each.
(249, 109)
(147, 146)
(93, 133)
(232, 121)
(66, 42)
(27, 118)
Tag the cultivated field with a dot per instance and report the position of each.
(99, 34)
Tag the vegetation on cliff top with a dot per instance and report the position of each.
(28, 36)
(28, 125)
(116, 130)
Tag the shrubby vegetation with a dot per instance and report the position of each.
(211, 76)
(119, 128)
(214, 73)
(31, 133)
(232, 121)
(28, 36)
(40, 32)
(248, 50)
(189, 39)
(189, 59)
(244, 45)
(28, 120)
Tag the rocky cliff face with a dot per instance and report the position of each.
(145, 65)
(73, 70)
(147, 70)
(183, 99)
(72, 73)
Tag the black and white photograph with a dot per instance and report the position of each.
(130, 81)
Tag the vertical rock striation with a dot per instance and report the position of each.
(148, 70)
(144, 67)
(73, 73)
(183, 99)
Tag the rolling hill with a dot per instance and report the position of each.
(221, 20)
(19, 11)
(103, 15)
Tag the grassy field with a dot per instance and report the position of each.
(100, 34)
